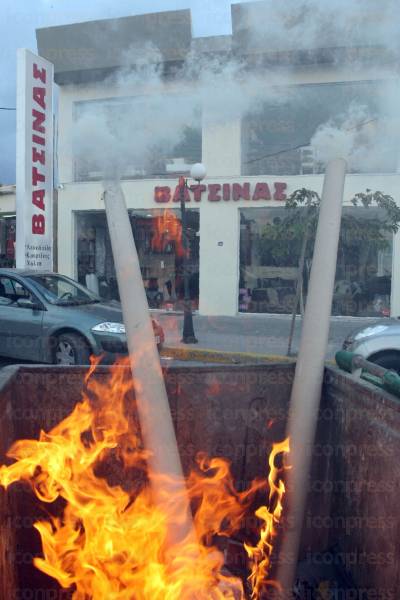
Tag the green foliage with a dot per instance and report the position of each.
(279, 244)
(303, 197)
(280, 241)
(391, 221)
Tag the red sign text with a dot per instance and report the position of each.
(223, 192)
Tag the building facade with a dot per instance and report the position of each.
(242, 257)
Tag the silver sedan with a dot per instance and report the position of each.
(378, 342)
(46, 317)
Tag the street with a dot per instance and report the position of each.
(260, 334)
(263, 334)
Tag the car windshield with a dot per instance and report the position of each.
(62, 291)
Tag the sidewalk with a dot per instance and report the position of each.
(252, 333)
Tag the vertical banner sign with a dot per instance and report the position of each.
(34, 243)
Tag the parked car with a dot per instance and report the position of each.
(46, 317)
(378, 342)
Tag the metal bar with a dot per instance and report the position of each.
(165, 470)
(307, 385)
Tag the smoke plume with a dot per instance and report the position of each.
(308, 24)
(149, 114)
(369, 141)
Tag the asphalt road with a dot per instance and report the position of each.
(265, 334)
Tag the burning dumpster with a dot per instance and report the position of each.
(349, 537)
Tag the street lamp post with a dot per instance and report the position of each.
(198, 173)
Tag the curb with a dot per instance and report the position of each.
(221, 356)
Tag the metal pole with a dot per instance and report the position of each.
(188, 336)
(307, 385)
(165, 470)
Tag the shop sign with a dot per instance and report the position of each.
(34, 243)
(223, 192)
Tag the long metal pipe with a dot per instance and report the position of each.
(307, 385)
(165, 470)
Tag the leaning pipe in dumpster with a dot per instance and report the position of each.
(151, 397)
(307, 384)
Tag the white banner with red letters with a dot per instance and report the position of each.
(34, 243)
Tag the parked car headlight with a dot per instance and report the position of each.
(108, 327)
(374, 330)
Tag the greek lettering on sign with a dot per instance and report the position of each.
(223, 192)
(38, 152)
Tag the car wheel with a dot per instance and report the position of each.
(388, 360)
(71, 349)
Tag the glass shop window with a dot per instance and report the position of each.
(148, 143)
(269, 257)
(276, 137)
(7, 241)
(159, 242)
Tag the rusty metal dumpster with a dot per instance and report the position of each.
(237, 412)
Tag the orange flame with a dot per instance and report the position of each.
(261, 553)
(167, 229)
(110, 541)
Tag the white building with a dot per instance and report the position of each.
(231, 219)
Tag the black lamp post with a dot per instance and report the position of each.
(198, 173)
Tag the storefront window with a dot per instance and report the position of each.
(269, 256)
(175, 144)
(276, 138)
(158, 238)
(7, 241)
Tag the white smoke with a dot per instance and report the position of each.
(369, 141)
(149, 113)
(342, 137)
(307, 24)
(141, 119)
(225, 88)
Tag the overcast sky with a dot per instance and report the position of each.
(20, 19)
